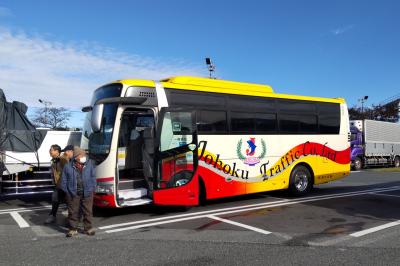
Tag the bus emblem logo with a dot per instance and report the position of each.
(251, 158)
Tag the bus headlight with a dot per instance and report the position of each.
(104, 188)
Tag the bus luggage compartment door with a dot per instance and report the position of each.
(176, 159)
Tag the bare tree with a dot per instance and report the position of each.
(52, 117)
(387, 112)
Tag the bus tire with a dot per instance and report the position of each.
(300, 182)
(357, 164)
(397, 161)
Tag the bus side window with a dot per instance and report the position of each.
(329, 118)
(176, 130)
(289, 123)
(297, 117)
(242, 122)
(211, 122)
(266, 123)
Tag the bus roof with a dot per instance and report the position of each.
(224, 86)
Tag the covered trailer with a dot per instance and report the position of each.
(24, 150)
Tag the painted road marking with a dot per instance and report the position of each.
(15, 213)
(252, 228)
(187, 214)
(263, 205)
(25, 209)
(388, 195)
(154, 224)
(375, 229)
(198, 215)
(311, 199)
(39, 208)
(18, 218)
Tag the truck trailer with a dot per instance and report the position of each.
(29, 172)
(24, 150)
(374, 143)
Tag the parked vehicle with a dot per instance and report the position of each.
(374, 143)
(184, 140)
(24, 150)
(29, 172)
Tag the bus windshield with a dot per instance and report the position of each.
(98, 143)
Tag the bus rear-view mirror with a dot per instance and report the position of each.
(87, 109)
(97, 114)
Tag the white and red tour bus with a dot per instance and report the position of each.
(184, 140)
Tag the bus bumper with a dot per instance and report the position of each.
(104, 201)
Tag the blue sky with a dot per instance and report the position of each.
(62, 51)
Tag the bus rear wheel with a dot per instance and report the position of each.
(300, 182)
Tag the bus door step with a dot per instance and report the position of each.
(128, 184)
(129, 194)
(136, 202)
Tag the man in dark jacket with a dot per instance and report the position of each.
(79, 183)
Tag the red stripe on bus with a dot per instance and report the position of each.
(105, 179)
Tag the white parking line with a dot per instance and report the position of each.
(252, 228)
(309, 199)
(388, 195)
(245, 207)
(18, 218)
(154, 224)
(38, 208)
(375, 229)
(31, 209)
(205, 214)
(189, 214)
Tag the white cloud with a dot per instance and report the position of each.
(67, 74)
(342, 30)
(5, 12)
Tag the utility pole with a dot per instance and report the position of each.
(210, 66)
(362, 100)
(46, 104)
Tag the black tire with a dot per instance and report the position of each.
(397, 161)
(358, 164)
(300, 182)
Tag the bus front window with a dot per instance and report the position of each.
(98, 143)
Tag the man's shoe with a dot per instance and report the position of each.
(90, 232)
(51, 219)
(71, 233)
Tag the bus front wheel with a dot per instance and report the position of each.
(300, 181)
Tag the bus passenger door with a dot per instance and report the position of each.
(176, 159)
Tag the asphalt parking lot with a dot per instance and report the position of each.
(354, 221)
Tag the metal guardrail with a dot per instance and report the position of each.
(30, 187)
(20, 184)
(27, 181)
(17, 186)
(27, 193)
(20, 188)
